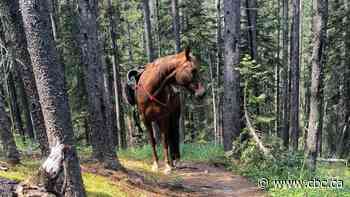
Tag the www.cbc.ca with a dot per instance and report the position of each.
(330, 183)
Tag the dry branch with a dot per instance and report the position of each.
(333, 160)
(252, 130)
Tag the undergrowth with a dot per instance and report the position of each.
(289, 166)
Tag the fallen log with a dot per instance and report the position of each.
(333, 160)
(7, 187)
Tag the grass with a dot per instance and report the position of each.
(95, 185)
(99, 186)
(340, 172)
(290, 166)
(189, 152)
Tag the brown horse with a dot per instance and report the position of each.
(158, 101)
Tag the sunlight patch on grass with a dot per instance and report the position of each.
(95, 185)
(22, 171)
(98, 186)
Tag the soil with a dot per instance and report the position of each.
(188, 179)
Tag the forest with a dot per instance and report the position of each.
(118, 98)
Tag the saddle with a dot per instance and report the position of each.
(132, 79)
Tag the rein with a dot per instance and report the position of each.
(162, 85)
(150, 96)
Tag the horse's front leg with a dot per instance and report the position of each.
(153, 144)
(164, 126)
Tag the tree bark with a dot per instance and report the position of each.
(295, 74)
(277, 75)
(343, 150)
(252, 10)
(158, 25)
(231, 103)
(18, 45)
(148, 31)
(6, 136)
(177, 37)
(218, 68)
(14, 106)
(320, 9)
(25, 105)
(49, 76)
(116, 77)
(176, 25)
(285, 87)
(102, 146)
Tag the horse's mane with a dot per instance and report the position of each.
(167, 60)
(161, 62)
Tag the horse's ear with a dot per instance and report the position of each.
(187, 53)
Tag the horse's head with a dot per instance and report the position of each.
(187, 73)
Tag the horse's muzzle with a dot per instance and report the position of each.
(198, 90)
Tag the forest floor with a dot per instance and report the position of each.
(201, 173)
(204, 171)
(189, 179)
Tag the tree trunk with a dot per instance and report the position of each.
(295, 75)
(6, 136)
(116, 77)
(102, 146)
(231, 111)
(49, 76)
(277, 74)
(218, 68)
(320, 9)
(26, 110)
(158, 30)
(14, 106)
(148, 31)
(285, 87)
(51, 5)
(177, 37)
(18, 45)
(344, 152)
(252, 9)
(213, 92)
(176, 25)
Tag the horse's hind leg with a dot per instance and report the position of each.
(174, 138)
(164, 127)
(153, 144)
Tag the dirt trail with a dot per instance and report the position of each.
(189, 179)
(211, 180)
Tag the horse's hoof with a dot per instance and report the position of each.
(176, 163)
(155, 167)
(167, 169)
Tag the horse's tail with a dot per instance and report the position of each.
(132, 78)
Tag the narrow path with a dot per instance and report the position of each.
(190, 179)
(211, 180)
